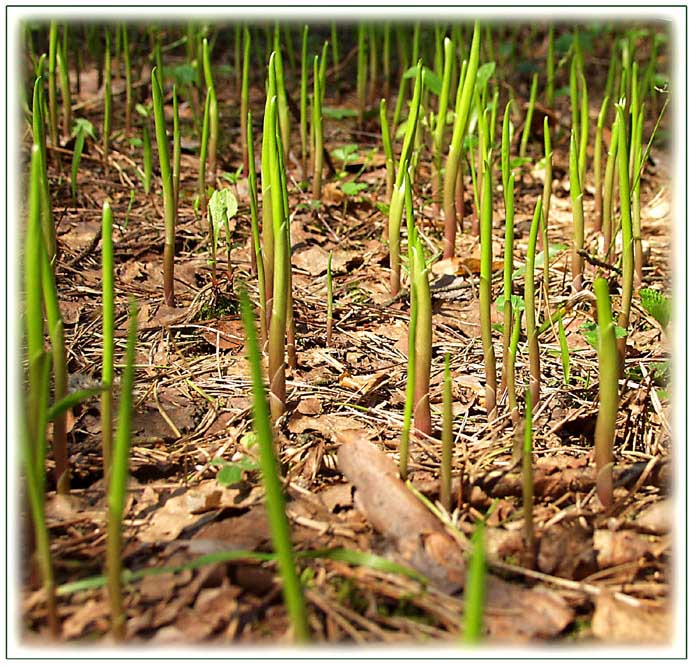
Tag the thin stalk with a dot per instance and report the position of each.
(282, 104)
(423, 342)
(398, 194)
(257, 253)
(387, 30)
(62, 62)
(399, 104)
(107, 100)
(605, 429)
(323, 70)
(167, 186)
(512, 355)
(530, 318)
(372, 64)
(485, 291)
(108, 334)
(387, 149)
(635, 198)
(576, 195)
(550, 70)
(446, 439)
(475, 590)
(278, 318)
(509, 200)
(598, 194)
(455, 151)
(52, 83)
(528, 480)
(304, 103)
(439, 135)
(175, 175)
(128, 78)
(267, 216)
(634, 113)
(317, 132)
(244, 100)
(361, 72)
(39, 136)
(147, 158)
(584, 130)
(411, 375)
(626, 231)
(213, 110)
(237, 65)
(328, 334)
(530, 112)
(117, 487)
(546, 199)
(274, 496)
(608, 202)
(202, 164)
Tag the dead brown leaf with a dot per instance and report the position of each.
(617, 622)
(620, 547)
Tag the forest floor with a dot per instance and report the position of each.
(195, 488)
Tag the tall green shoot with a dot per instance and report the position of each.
(398, 193)
(530, 317)
(304, 103)
(530, 112)
(486, 231)
(204, 149)
(446, 439)
(167, 185)
(108, 333)
(605, 429)
(52, 83)
(576, 196)
(213, 109)
(62, 62)
(455, 152)
(509, 200)
(546, 200)
(244, 100)
(550, 70)
(597, 165)
(274, 497)
(317, 132)
(475, 590)
(387, 148)
(117, 486)
(439, 134)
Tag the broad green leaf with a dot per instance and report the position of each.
(222, 206)
(656, 304)
(352, 188)
(517, 303)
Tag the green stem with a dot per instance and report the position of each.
(532, 336)
(108, 332)
(530, 113)
(446, 439)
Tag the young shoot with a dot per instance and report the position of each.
(530, 317)
(530, 112)
(446, 439)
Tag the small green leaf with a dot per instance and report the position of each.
(84, 126)
(517, 303)
(72, 400)
(222, 206)
(229, 475)
(346, 153)
(656, 304)
(519, 161)
(591, 334)
(554, 249)
(144, 111)
(484, 73)
(352, 188)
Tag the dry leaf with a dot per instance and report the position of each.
(656, 518)
(227, 333)
(614, 548)
(617, 622)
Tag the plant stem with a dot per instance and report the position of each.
(449, 50)
(576, 195)
(304, 103)
(528, 480)
(475, 590)
(167, 185)
(608, 394)
(107, 273)
(213, 110)
(530, 112)
(117, 487)
(274, 498)
(446, 439)
(532, 336)
(387, 148)
(509, 200)
(317, 133)
(598, 141)
(244, 101)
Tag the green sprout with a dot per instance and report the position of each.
(576, 195)
(274, 497)
(80, 131)
(485, 291)
(304, 103)
(213, 109)
(446, 439)
(108, 333)
(117, 486)
(175, 170)
(222, 207)
(125, 45)
(398, 193)
(244, 101)
(317, 132)
(387, 147)
(530, 112)
(462, 107)
(61, 60)
(282, 103)
(546, 201)
(530, 318)
(328, 333)
(449, 49)
(204, 149)
(607, 223)
(52, 83)
(167, 185)
(598, 145)
(147, 161)
(510, 375)
(475, 590)
(39, 136)
(107, 100)
(528, 478)
(605, 428)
